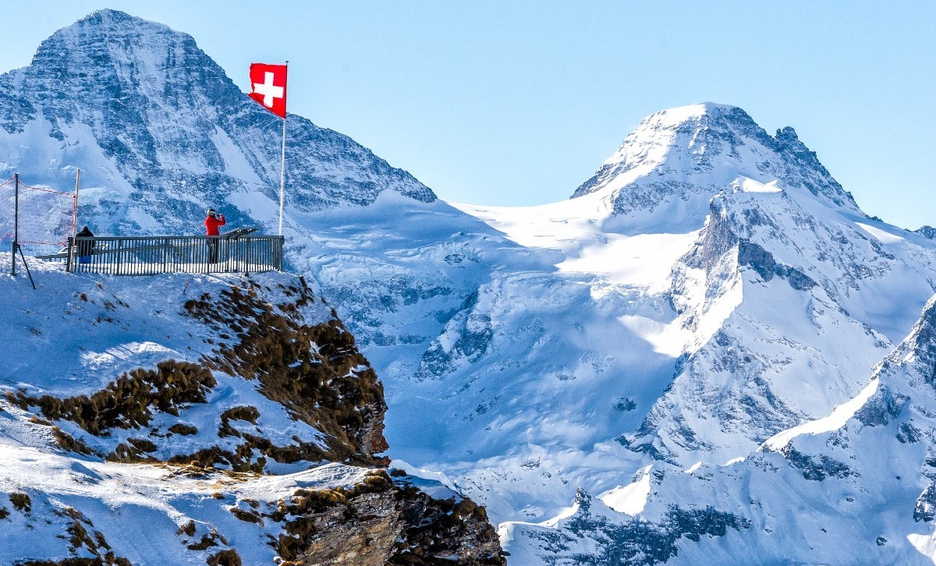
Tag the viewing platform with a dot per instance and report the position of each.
(234, 252)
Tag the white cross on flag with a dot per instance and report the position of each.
(268, 87)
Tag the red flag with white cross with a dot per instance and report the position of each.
(268, 87)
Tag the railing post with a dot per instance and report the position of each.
(247, 259)
(279, 252)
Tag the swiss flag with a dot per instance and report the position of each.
(268, 87)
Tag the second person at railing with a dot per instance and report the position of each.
(85, 243)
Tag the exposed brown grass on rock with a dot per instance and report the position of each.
(129, 401)
(315, 371)
(69, 443)
(187, 529)
(241, 413)
(183, 429)
(227, 557)
(247, 516)
(21, 501)
(208, 540)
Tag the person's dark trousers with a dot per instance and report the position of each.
(212, 249)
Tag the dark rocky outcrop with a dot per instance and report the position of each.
(816, 468)
(381, 521)
(636, 542)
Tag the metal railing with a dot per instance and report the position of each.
(151, 255)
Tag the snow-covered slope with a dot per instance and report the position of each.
(854, 487)
(656, 352)
(118, 370)
(193, 419)
(780, 310)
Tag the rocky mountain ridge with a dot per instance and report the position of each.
(783, 309)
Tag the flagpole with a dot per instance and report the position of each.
(283, 171)
(75, 205)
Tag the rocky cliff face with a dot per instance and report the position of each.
(381, 522)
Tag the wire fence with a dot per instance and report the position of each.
(39, 218)
(152, 255)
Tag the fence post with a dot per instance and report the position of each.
(247, 257)
(70, 258)
(15, 224)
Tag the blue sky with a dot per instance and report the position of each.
(518, 102)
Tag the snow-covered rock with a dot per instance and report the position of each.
(186, 419)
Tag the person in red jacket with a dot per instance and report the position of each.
(212, 223)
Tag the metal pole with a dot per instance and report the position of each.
(75, 205)
(15, 223)
(26, 265)
(283, 168)
(70, 256)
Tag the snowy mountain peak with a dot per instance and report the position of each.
(111, 42)
(111, 15)
(117, 24)
(113, 65)
(677, 159)
(703, 113)
(160, 133)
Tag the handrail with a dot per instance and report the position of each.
(150, 255)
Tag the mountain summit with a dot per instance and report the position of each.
(156, 126)
(681, 157)
(738, 306)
